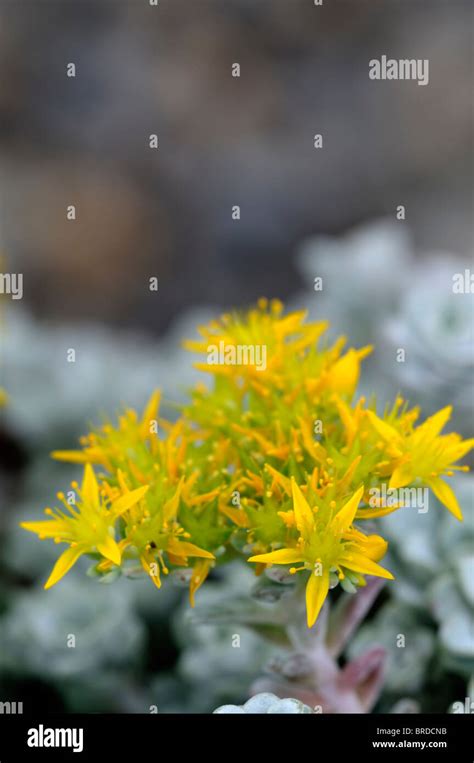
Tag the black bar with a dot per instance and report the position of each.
(143, 737)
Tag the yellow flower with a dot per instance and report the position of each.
(276, 456)
(423, 454)
(328, 542)
(262, 327)
(151, 533)
(88, 528)
(178, 552)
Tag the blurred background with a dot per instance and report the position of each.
(167, 213)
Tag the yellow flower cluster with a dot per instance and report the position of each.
(275, 460)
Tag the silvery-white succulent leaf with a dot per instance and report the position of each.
(56, 400)
(76, 628)
(434, 327)
(464, 566)
(363, 272)
(266, 703)
(409, 646)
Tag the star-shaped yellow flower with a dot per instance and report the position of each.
(328, 543)
(90, 526)
(423, 454)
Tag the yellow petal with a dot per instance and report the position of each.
(170, 508)
(71, 456)
(345, 516)
(122, 481)
(128, 500)
(200, 573)
(346, 479)
(401, 476)
(185, 549)
(90, 488)
(316, 592)
(384, 430)
(67, 560)
(343, 377)
(373, 546)
(150, 413)
(265, 445)
(459, 450)
(376, 547)
(194, 346)
(110, 549)
(289, 324)
(288, 517)
(434, 424)
(279, 478)
(374, 513)
(347, 419)
(198, 500)
(314, 448)
(445, 495)
(153, 572)
(360, 563)
(45, 529)
(236, 515)
(304, 517)
(282, 556)
(344, 374)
